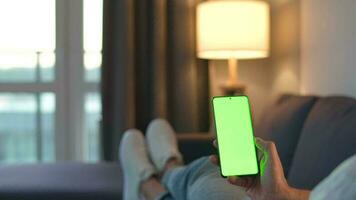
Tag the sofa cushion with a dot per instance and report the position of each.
(195, 145)
(327, 139)
(61, 181)
(283, 122)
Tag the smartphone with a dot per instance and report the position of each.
(233, 125)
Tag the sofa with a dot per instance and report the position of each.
(312, 134)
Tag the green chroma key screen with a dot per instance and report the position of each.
(235, 136)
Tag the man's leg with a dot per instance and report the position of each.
(135, 163)
(153, 188)
(200, 180)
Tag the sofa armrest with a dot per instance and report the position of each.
(195, 145)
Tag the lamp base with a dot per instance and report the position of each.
(233, 89)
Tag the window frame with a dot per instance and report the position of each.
(69, 85)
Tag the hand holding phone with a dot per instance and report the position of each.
(270, 183)
(233, 124)
(238, 158)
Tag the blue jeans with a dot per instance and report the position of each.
(199, 180)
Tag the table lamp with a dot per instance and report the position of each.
(233, 30)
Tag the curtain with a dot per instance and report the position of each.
(150, 69)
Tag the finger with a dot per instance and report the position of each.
(238, 181)
(250, 182)
(264, 145)
(270, 154)
(260, 152)
(260, 143)
(215, 143)
(214, 159)
(232, 180)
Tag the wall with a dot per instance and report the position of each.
(266, 78)
(285, 47)
(313, 51)
(254, 74)
(328, 47)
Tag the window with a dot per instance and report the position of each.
(49, 76)
(27, 98)
(27, 127)
(92, 62)
(92, 39)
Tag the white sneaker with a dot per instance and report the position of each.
(162, 143)
(135, 163)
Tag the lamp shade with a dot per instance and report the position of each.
(233, 29)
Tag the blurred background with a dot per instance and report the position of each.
(74, 74)
(50, 59)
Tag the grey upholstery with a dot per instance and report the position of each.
(61, 181)
(283, 122)
(195, 145)
(327, 139)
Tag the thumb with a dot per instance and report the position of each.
(263, 152)
(269, 158)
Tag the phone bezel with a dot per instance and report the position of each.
(253, 133)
